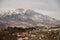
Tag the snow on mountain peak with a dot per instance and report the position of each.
(28, 16)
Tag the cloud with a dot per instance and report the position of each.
(50, 6)
(33, 4)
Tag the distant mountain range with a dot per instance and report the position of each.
(26, 18)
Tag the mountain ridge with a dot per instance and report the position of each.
(27, 18)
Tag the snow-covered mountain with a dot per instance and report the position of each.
(26, 18)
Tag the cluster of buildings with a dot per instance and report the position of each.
(40, 33)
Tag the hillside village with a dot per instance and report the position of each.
(32, 33)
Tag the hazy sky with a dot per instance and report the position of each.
(47, 7)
